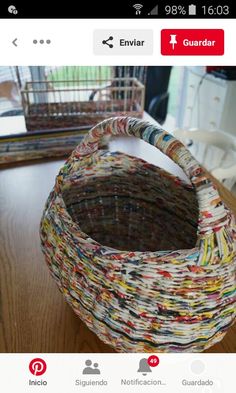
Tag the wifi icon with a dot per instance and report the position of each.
(138, 8)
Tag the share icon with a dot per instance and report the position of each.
(105, 42)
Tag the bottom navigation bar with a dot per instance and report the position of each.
(205, 373)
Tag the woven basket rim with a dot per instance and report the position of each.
(74, 227)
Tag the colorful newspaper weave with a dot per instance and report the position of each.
(146, 260)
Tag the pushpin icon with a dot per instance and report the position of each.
(173, 40)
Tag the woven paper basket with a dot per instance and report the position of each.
(144, 259)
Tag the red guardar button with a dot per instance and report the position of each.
(192, 42)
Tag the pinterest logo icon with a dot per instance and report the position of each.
(37, 366)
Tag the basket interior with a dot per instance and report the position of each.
(135, 209)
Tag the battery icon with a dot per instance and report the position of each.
(192, 9)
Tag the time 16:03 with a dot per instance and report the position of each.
(215, 10)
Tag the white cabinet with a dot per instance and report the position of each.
(206, 101)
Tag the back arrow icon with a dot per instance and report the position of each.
(14, 42)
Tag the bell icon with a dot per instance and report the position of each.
(144, 367)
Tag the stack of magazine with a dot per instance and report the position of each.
(40, 144)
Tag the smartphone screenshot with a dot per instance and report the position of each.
(118, 197)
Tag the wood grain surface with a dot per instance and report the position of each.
(33, 314)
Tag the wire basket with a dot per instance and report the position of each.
(61, 104)
(146, 260)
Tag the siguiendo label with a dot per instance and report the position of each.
(90, 382)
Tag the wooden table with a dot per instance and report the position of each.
(33, 314)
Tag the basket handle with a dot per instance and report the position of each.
(213, 214)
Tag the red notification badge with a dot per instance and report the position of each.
(153, 361)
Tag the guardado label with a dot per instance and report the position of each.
(198, 382)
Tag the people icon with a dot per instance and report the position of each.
(88, 369)
(96, 369)
(91, 370)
